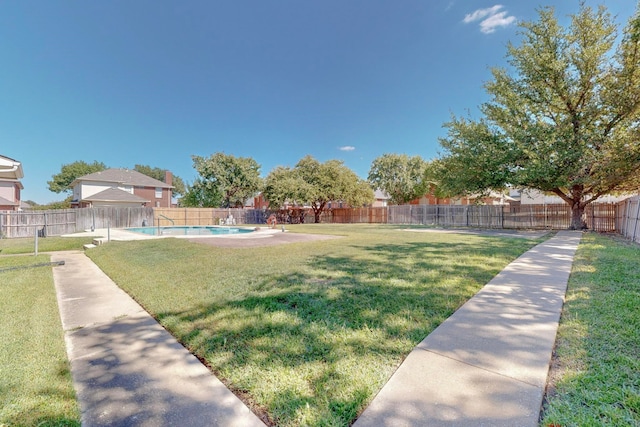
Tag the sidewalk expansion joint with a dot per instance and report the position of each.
(477, 367)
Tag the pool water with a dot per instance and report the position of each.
(196, 230)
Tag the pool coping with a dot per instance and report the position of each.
(102, 235)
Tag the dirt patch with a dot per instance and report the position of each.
(262, 240)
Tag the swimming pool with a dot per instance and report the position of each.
(194, 230)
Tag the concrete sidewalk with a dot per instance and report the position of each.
(487, 364)
(127, 370)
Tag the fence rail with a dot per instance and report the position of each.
(604, 217)
(628, 218)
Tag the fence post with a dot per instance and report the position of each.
(635, 227)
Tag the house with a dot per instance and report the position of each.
(381, 199)
(492, 198)
(10, 185)
(121, 188)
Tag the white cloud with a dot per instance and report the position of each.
(346, 148)
(501, 19)
(491, 18)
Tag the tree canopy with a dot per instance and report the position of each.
(565, 120)
(159, 174)
(61, 182)
(224, 181)
(402, 177)
(316, 184)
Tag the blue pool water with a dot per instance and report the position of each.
(195, 230)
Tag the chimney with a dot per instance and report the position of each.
(168, 178)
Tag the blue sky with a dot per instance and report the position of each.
(154, 81)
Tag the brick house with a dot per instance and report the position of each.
(10, 185)
(121, 188)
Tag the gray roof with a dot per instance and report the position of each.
(115, 195)
(380, 195)
(123, 176)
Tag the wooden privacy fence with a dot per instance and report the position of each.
(604, 217)
(46, 223)
(65, 221)
(200, 216)
(600, 216)
(628, 218)
(377, 215)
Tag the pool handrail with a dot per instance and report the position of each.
(167, 218)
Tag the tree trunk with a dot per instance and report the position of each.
(578, 221)
(317, 211)
(316, 215)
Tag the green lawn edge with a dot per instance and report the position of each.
(35, 381)
(595, 376)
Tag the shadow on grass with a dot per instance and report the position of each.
(315, 347)
(47, 407)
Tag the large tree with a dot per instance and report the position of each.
(61, 182)
(402, 177)
(224, 181)
(316, 184)
(565, 119)
(159, 174)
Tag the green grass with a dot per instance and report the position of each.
(597, 375)
(45, 244)
(35, 384)
(307, 333)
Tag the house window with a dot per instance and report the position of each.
(158, 193)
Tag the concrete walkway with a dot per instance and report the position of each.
(127, 370)
(487, 364)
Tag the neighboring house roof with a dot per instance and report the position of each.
(10, 168)
(124, 177)
(493, 195)
(115, 195)
(6, 202)
(381, 195)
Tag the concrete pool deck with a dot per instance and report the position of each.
(485, 365)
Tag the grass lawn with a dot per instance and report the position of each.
(596, 373)
(45, 244)
(35, 384)
(307, 333)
